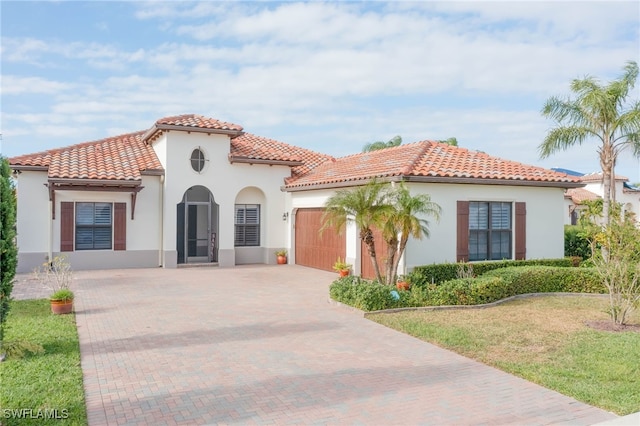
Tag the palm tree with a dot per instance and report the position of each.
(366, 206)
(374, 146)
(450, 141)
(598, 112)
(405, 221)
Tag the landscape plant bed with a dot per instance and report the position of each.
(42, 388)
(546, 340)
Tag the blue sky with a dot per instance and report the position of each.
(330, 77)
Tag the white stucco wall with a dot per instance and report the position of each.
(545, 212)
(225, 181)
(630, 200)
(545, 224)
(38, 235)
(32, 220)
(143, 239)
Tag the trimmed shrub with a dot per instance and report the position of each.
(505, 282)
(548, 279)
(576, 243)
(493, 286)
(474, 291)
(441, 272)
(363, 294)
(437, 273)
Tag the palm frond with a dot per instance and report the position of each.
(562, 138)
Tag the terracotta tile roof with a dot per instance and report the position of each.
(578, 195)
(124, 157)
(194, 120)
(597, 177)
(37, 159)
(428, 159)
(121, 157)
(252, 147)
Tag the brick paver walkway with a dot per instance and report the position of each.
(261, 345)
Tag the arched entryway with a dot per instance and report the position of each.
(197, 227)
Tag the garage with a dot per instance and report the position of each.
(313, 249)
(366, 266)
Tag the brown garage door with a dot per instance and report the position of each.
(366, 266)
(315, 250)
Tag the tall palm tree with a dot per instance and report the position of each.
(598, 112)
(366, 206)
(406, 220)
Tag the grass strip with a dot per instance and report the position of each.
(544, 340)
(45, 388)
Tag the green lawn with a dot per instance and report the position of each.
(544, 340)
(40, 387)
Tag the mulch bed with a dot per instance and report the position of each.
(608, 325)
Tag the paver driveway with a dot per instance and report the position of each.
(261, 344)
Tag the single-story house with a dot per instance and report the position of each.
(193, 190)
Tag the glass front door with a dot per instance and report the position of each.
(198, 226)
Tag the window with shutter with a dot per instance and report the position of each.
(490, 230)
(93, 226)
(247, 225)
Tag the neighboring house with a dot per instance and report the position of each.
(625, 193)
(194, 190)
(574, 204)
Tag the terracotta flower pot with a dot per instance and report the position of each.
(59, 307)
(281, 260)
(402, 285)
(343, 272)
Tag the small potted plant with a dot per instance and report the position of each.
(281, 256)
(342, 268)
(57, 276)
(403, 283)
(61, 301)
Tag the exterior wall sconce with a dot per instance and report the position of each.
(285, 216)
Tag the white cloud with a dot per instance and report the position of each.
(18, 85)
(331, 76)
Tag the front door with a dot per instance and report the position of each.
(198, 229)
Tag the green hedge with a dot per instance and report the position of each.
(547, 279)
(363, 294)
(575, 242)
(494, 285)
(440, 272)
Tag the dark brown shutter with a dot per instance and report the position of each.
(67, 220)
(521, 231)
(120, 226)
(462, 246)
